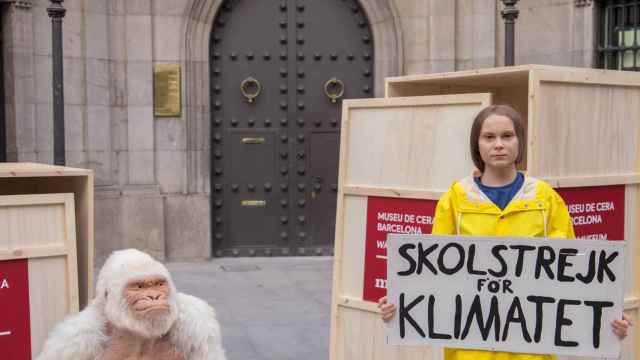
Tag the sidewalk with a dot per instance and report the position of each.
(268, 308)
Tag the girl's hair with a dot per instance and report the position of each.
(502, 110)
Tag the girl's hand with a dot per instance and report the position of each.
(388, 310)
(620, 327)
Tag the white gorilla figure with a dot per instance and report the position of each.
(137, 314)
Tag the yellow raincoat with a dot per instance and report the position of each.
(535, 211)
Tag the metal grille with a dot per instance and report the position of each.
(620, 35)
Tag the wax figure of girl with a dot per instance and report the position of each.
(500, 201)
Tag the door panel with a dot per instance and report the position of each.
(323, 176)
(284, 52)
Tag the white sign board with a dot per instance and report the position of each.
(508, 294)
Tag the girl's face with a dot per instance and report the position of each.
(498, 143)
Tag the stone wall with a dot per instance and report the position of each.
(152, 174)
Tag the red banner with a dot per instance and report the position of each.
(597, 212)
(384, 216)
(15, 332)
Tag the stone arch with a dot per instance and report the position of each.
(197, 26)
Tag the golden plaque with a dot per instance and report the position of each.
(253, 203)
(253, 140)
(167, 90)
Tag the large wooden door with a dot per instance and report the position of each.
(279, 72)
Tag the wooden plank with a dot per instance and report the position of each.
(48, 295)
(72, 260)
(38, 170)
(354, 303)
(34, 252)
(473, 73)
(82, 187)
(509, 88)
(353, 238)
(596, 136)
(335, 337)
(632, 264)
(507, 76)
(632, 237)
(418, 101)
(632, 303)
(365, 339)
(33, 224)
(364, 190)
(581, 181)
(587, 76)
(40, 199)
(633, 192)
(396, 146)
(503, 76)
(629, 346)
(632, 215)
(85, 236)
(532, 116)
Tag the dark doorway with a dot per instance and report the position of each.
(279, 72)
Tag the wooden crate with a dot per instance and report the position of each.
(38, 269)
(388, 149)
(583, 131)
(583, 134)
(31, 178)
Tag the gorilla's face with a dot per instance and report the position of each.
(148, 296)
(145, 305)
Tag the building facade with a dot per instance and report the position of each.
(248, 166)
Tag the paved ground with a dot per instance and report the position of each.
(269, 308)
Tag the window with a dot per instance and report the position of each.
(620, 35)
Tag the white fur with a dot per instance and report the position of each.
(80, 336)
(196, 332)
(119, 268)
(192, 325)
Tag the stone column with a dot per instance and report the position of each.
(475, 34)
(143, 208)
(139, 56)
(584, 43)
(19, 81)
(429, 35)
(98, 93)
(442, 36)
(105, 34)
(413, 16)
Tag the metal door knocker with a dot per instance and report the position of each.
(334, 89)
(250, 88)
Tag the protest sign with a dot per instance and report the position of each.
(509, 294)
